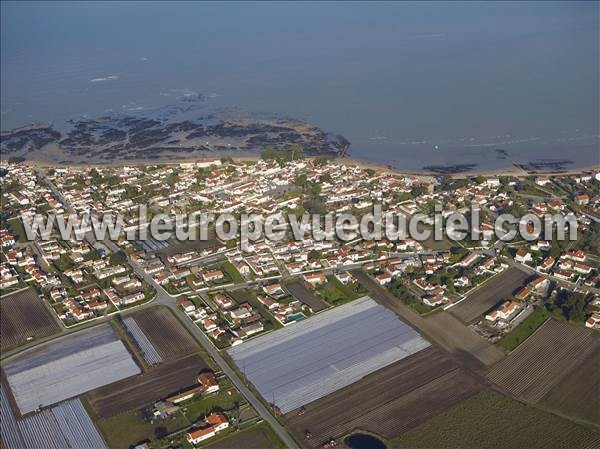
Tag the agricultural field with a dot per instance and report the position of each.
(66, 425)
(529, 325)
(165, 333)
(303, 294)
(489, 420)
(256, 437)
(388, 402)
(124, 430)
(24, 315)
(440, 327)
(299, 364)
(570, 395)
(482, 299)
(554, 366)
(141, 342)
(68, 367)
(142, 390)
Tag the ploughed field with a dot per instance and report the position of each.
(302, 293)
(24, 315)
(177, 368)
(497, 289)
(299, 364)
(578, 394)
(388, 402)
(165, 333)
(556, 367)
(142, 390)
(489, 420)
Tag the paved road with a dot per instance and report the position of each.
(164, 298)
(252, 399)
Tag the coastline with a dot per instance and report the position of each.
(506, 171)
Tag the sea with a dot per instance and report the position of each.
(409, 84)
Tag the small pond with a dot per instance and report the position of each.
(362, 441)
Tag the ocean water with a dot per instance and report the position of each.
(409, 84)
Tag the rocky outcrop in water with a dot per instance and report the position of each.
(108, 139)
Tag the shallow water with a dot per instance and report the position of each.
(408, 84)
(362, 441)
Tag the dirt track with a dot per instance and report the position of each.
(441, 328)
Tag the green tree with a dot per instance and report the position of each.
(301, 180)
(326, 177)
(314, 255)
(322, 160)
(418, 191)
(296, 152)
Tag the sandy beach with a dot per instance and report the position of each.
(507, 171)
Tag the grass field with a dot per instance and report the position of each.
(260, 436)
(231, 271)
(198, 408)
(127, 429)
(336, 293)
(490, 420)
(16, 225)
(524, 330)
